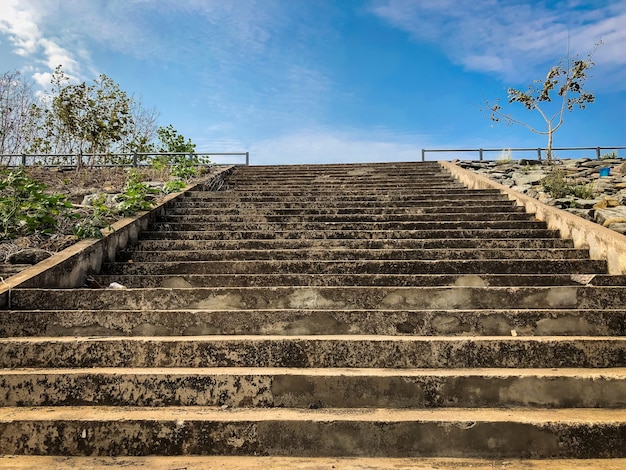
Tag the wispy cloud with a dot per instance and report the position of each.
(512, 39)
(21, 22)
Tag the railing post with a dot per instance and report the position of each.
(423, 155)
(539, 154)
(247, 158)
(23, 160)
(598, 152)
(480, 154)
(135, 160)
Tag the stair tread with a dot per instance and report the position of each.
(613, 373)
(463, 416)
(20, 462)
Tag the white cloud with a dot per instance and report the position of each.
(20, 21)
(512, 39)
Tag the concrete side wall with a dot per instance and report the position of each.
(601, 242)
(70, 267)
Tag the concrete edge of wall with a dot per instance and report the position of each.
(601, 242)
(71, 267)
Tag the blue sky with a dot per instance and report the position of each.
(313, 81)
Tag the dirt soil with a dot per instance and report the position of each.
(75, 185)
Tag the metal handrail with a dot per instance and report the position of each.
(538, 150)
(135, 157)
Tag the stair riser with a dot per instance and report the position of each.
(255, 217)
(344, 226)
(564, 322)
(338, 280)
(306, 391)
(313, 204)
(307, 352)
(326, 298)
(387, 235)
(478, 266)
(339, 255)
(339, 199)
(424, 243)
(349, 211)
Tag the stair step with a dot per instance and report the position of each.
(315, 388)
(312, 266)
(346, 254)
(353, 351)
(21, 462)
(486, 433)
(254, 217)
(355, 244)
(384, 298)
(336, 280)
(303, 227)
(387, 235)
(349, 211)
(292, 322)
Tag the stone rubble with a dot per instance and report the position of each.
(601, 199)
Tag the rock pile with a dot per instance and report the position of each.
(592, 189)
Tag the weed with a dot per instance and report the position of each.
(557, 185)
(137, 196)
(504, 157)
(173, 186)
(25, 207)
(583, 191)
(91, 226)
(609, 155)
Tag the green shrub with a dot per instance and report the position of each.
(173, 186)
(557, 185)
(25, 207)
(91, 226)
(137, 196)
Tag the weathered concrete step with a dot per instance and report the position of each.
(289, 322)
(303, 227)
(314, 266)
(325, 298)
(348, 351)
(388, 235)
(355, 244)
(311, 204)
(384, 195)
(336, 280)
(338, 212)
(22, 462)
(254, 217)
(347, 255)
(315, 388)
(350, 186)
(365, 185)
(407, 210)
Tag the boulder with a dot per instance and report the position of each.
(28, 256)
(607, 217)
(531, 177)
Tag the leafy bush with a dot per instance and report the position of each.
(137, 196)
(557, 185)
(173, 186)
(185, 168)
(91, 226)
(25, 207)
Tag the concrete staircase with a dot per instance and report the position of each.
(375, 310)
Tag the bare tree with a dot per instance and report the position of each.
(567, 79)
(16, 99)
